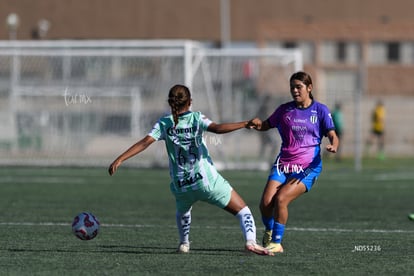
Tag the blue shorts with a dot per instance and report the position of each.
(217, 193)
(307, 176)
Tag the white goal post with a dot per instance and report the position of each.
(83, 102)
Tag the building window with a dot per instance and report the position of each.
(393, 51)
(377, 53)
(306, 47)
(407, 52)
(308, 51)
(290, 44)
(341, 51)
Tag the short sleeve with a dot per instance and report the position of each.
(204, 121)
(156, 131)
(327, 123)
(274, 118)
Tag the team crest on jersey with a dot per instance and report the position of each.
(313, 119)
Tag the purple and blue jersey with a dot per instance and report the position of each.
(301, 131)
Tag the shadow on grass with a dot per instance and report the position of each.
(127, 249)
(166, 250)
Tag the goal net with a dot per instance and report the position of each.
(85, 102)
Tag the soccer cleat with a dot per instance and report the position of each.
(275, 247)
(252, 246)
(183, 248)
(267, 238)
(411, 216)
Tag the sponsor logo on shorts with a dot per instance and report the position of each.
(190, 180)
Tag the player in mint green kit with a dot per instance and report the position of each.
(193, 175)
(302, 123)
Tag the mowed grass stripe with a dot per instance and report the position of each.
(333, 230)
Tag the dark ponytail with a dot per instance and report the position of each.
(178, 97)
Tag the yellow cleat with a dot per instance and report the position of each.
(267, 238)
(275, 247)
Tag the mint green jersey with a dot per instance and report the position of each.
(191, 167)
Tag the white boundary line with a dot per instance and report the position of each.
(334, 230)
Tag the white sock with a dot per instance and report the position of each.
(247, 224)
(183, 225)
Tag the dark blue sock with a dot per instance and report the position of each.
(268, 222)
(278, 231)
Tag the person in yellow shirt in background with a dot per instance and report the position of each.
(378, 129)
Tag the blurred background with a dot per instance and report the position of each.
(80, 81)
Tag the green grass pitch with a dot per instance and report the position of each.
(351, 223)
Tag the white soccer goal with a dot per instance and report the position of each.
(84, 102)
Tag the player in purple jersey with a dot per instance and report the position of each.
(301, 123)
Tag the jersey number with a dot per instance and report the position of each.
(187, 156)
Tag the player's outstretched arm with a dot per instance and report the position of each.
(133, 150)
(229, 127)
(260, 125)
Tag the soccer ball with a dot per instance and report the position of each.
(85, 226)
